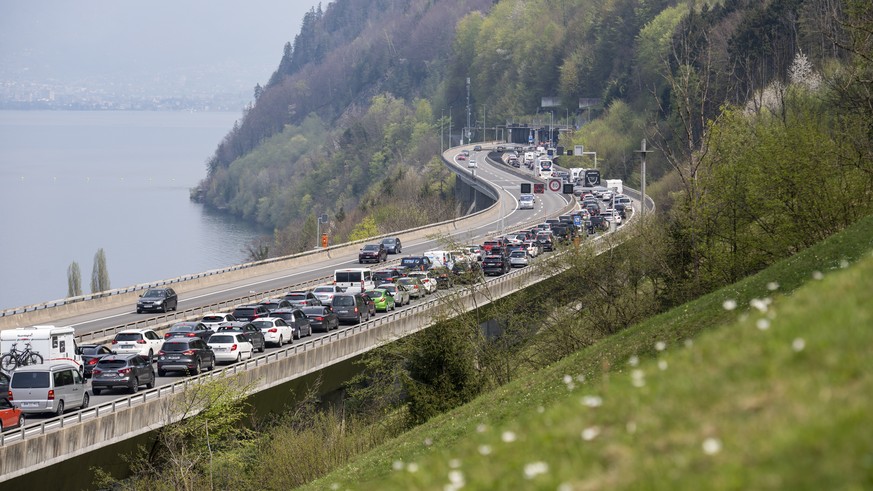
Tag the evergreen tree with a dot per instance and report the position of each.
(74, 280)
(100, 274)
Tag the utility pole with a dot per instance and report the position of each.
(467, 129)
(642, 151)
(442, 117)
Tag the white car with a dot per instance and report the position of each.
(214, 320)
(276, 331)
(526, 202)
(230, 347)
(472, 164)
(145, 342)
(428, 281)
(533, 248)
(325, 293)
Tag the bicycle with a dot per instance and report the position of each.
(14, 359)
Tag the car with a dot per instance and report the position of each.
(611, 216)
(472, 164)
(443, 275)
(295, 318)
(51, 387)
(533, 248)
(325, 293)
(461, 156)
(621, 209)
(157, 299)
(10, 416)
(392, 245)
(371, 305)
(91, 355)
(427, 278)
(214, 320)
(495, 264)
(276, 303)
(190, 355)
(477, 148)
(189, 330)
(144, 342)
(545, 240)
(122, 371)
(321, 317)
(248, 313)
(372, 253)
(467, 272)
(381, 299)
(526, 202)
(351, 307)
(231, 347)
(252, 333)
(387, 275)
(416, 263)
(276, 331)
(302, 299)
(399, 292)
(4, 383)
(475, 251)
(518, 258)
(414, 285)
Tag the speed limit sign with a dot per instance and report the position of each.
(555, 185)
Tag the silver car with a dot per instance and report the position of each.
(518, 258)
(51, 387)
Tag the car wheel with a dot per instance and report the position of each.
(263, 347)
(96, 391)
(86, 399)
(198, 365)
(151, 384)
(20, 421)
(151, 354)
(133, 389)
(164, 308)
(139, 311)
(162, 373)
(281, 341)
(60, 409)
(211, 366)
(238, 357)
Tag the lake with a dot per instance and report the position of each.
(72, 182)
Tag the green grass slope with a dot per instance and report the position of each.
(765, 384)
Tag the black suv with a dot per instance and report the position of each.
(372, 253)
(495, 265)
(392, 245)
(416, 263)
(157, 299)
(250, 331)
(189, 355)
(248, 313)
(275, 304)
(127, 371)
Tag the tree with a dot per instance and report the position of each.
(100, 273)
(74, 280)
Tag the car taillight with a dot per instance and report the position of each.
(318, 318)
(51, 395)
(97, 371)
(188, 352)
(191, 334)
(92, 361)
(124, 371)
(166, 335)
(272, 329)
(161, 353)
(114, 341)
(233, 348)
(9, 395)
(141, 341)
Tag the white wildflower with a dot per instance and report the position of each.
(711, 446)
(729, 304)
(590, 433)
(535, 469)
(798, 344)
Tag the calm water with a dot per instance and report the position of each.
(73, 182)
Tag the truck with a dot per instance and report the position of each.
(615, 186)
(576, 173)
(51, 342)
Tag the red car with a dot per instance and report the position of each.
(10, 416)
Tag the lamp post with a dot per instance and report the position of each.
(595, 157)
(321, 219)
(642, 151)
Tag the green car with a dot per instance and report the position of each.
(384, 302)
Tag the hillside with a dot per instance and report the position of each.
(760, 385)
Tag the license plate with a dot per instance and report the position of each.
(110, 374)
(126, 346)
(219, 348)
(29, 404)
(173, 357)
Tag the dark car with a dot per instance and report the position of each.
(372, 253)
(275, 303)
(91, 354)
(125, 371)
(189, 330)
(371, 304)
(190, 355)
(392, 245)
(295, 318)
(466, 272)
(351, 307)
(443, 275)
(545, 241)
(302, 299)
(621, 208)
(251, 332)
(158, 300)
(4, 383)
(248, 313)
(321, 317)
(416, 263)
(387, 275)
(495, 264)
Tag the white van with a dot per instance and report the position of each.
(52, 343)
(354, 280)
(52, 387)
(441, 258)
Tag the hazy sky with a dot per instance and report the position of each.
(75, 39)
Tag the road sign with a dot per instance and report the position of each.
(555, 185)
(539, 188)
(592, 178)
(577, 220)
(568, 188)
(525, 188)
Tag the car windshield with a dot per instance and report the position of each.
(388, 288)
(295, 296)
(221, 338)
(371, 247)
(111, 364)
(323, 289)
(388, 241)
(374, 294)
(128, 336)
(517, 254)
(181, 328)
(213, 318)
(175, 347)
(91, 350)
(243, 312)
(155, 294)
(344, 301)
(313, 310)
(30, 380)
